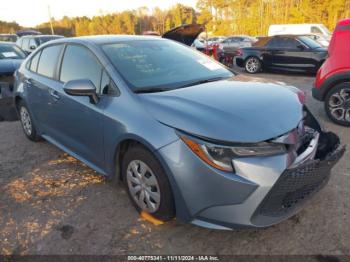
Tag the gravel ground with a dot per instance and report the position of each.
(51, 203)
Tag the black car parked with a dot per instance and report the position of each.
(287, 52)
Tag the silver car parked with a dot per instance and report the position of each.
(233, 43)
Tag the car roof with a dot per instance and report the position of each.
(105, 39)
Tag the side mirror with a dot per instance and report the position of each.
(81, 87)
(32, 47)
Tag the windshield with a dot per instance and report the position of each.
(310, 42)
(11, 52)
(161, 64)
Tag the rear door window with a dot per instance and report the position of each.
(275, 43)
(290, 43)
(48, 61)
(80, 63)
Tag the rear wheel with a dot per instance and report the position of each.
(337, 104)
(27, 122)
(147, 184)
(252, 65)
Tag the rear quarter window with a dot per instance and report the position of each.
(34, 62)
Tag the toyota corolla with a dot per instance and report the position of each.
(187, 137)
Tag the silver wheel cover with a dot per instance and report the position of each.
(143, 186)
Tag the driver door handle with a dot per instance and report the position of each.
(55, 95)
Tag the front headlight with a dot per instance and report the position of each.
(220, 157)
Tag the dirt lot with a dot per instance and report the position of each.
(52, 204)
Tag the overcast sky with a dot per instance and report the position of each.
(32, 12)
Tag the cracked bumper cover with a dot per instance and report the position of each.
(263, 190)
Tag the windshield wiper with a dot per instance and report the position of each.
(151, 90)
(162, 89)
(199, 82)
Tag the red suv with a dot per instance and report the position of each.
(333, 79)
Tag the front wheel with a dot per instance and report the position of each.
(252, 65)
(147, 184)
(337, 104)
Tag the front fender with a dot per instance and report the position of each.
(329, 82)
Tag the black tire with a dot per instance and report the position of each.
(343, 88)
(166, 208)
(252, 69)
(32, 133)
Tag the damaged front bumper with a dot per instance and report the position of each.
(300, 181)
(262, 191)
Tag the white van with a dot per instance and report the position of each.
(300, 29)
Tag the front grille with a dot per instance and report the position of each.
(296, 185)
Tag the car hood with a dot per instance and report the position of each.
(240, 109)
(9, 66)
(185, 34)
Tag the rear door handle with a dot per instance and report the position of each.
(54, 94)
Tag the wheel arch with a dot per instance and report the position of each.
(333, 81)
(336, 88)
(251, 56)
(122, 146)
(17, 99)
(181, 209)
